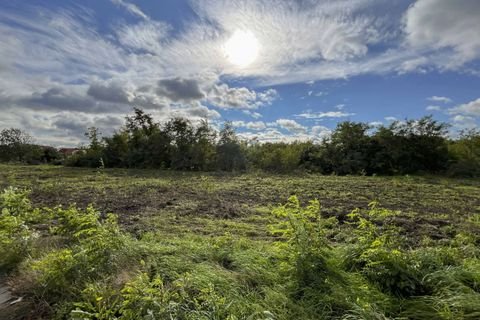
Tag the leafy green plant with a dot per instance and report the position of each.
(303, 249)
(16, 235)
(378, 255)
(99, 301)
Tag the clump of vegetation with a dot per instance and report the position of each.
(465, 154)
(16, 236)
(305, 250)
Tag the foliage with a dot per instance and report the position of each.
(465, 154)
(16, 213)
(276, 157)
(230, 156)
(410, 146)
(17, 146)
(305, 249)
(95, 248)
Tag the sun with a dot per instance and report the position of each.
(242, 48)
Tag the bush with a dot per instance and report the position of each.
(16, 213)
(95, 249)
(379, 256)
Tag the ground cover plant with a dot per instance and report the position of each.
(184, 245)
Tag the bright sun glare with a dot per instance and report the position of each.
(242, 48)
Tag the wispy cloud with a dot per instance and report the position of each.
(320, 115)
(433, 108)
(133, 9)
(439, 99)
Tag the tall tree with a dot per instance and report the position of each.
(230, 156)
(204, 152)
(181, 134)
(15, 144)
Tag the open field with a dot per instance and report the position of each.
(217, 229)
(211, 204)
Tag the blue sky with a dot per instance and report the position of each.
(280, 70)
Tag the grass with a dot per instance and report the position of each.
(207, 246)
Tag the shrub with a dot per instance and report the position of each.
(304, 250)
(94, 250)
(378, 255)
(16, 213)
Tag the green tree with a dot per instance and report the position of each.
(204, 152)
(277, 157)
(465, 154)
(346, 152)
(413, 145)
(140, 127)
(182, 135)
(16, 145)
(116, 149)
(230, 154)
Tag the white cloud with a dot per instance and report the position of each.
(290, 125)
(225, 97)
(413, 64)
(133, 9)
(148, 36)
(315, 133)
(320, 115)
(252, 125)
(439, 99)
(320, 132)
(464, 122)
(445, 24)
(469, 109)
(433, 108)
(256, 125)
(332, 40)
(338, 34)
(253, 114)
(194, 112)
(391, 119)
(64, 128)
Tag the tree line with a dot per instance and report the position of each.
(17, 145)
(403, 147)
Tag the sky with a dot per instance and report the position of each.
(280, 70)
